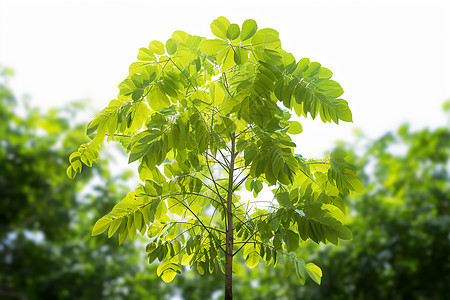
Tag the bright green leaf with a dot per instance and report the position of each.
(249, 28)
(295, 127)
(156, 47)
(101, 225)
(146, 55)
(252, 260)
(314, 272)
(212, 47)
(171, 46)
(233, 31)
(219, 27)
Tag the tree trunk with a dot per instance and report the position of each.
(229, 237)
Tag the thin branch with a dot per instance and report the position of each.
(204, 226)
(240, 182)
(269, 222)
(194, 225)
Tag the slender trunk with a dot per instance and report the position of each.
(229, 241)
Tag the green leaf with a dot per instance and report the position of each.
(343, 112)
(344, 175)
(295, 127)
(101, 225)
(123, 230)
(271, 41)
(314, 272)
(212, 47)
(168, 270)
(240, 56)
(258, 186)
(229, 124)
(216, 93)
(171, 46)
(156, 47)
(186, 259)
(252, 260)
(300, 269)
(180, 36)
(138, 152)
(115, 224)
(226, 59)
(260, 35)
(219, 27)
(330, 88)
(288, 266)
(71, 173)
(157, 100)
(292, 240)
(302, 65)
(137, 94)
(344, 233)
(249, 28)
(233, 31)
(283, 199)
(145, 55)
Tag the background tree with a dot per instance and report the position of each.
(402, 222)
(214, 121)
(45, 249)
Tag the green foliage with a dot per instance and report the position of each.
(400, 230)
(204, 116)
(402, 222)
(45, 250)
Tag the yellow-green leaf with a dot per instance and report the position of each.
(216, 93)
(101, 225)
(71, 173)
(171, 46)
(186, 259)
(157, 100)
(180, 36)
(249, 28)
(233, 31)
(212, 47)
(314, 272)
(115, 224)
(145, 55)
(240, 56)
(156, 47)
(252, 260)
(219, 27)
(295, 127)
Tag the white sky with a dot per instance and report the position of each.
(391, 57)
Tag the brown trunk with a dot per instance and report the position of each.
(229, 241)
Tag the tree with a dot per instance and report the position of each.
(203, 117)
(45, 252)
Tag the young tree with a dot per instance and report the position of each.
(206, 116)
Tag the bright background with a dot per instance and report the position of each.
(391, 57)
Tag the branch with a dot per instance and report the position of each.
(269, 222)
(204, 226)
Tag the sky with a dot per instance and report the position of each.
(391, 57)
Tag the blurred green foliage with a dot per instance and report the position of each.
(401, 224)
